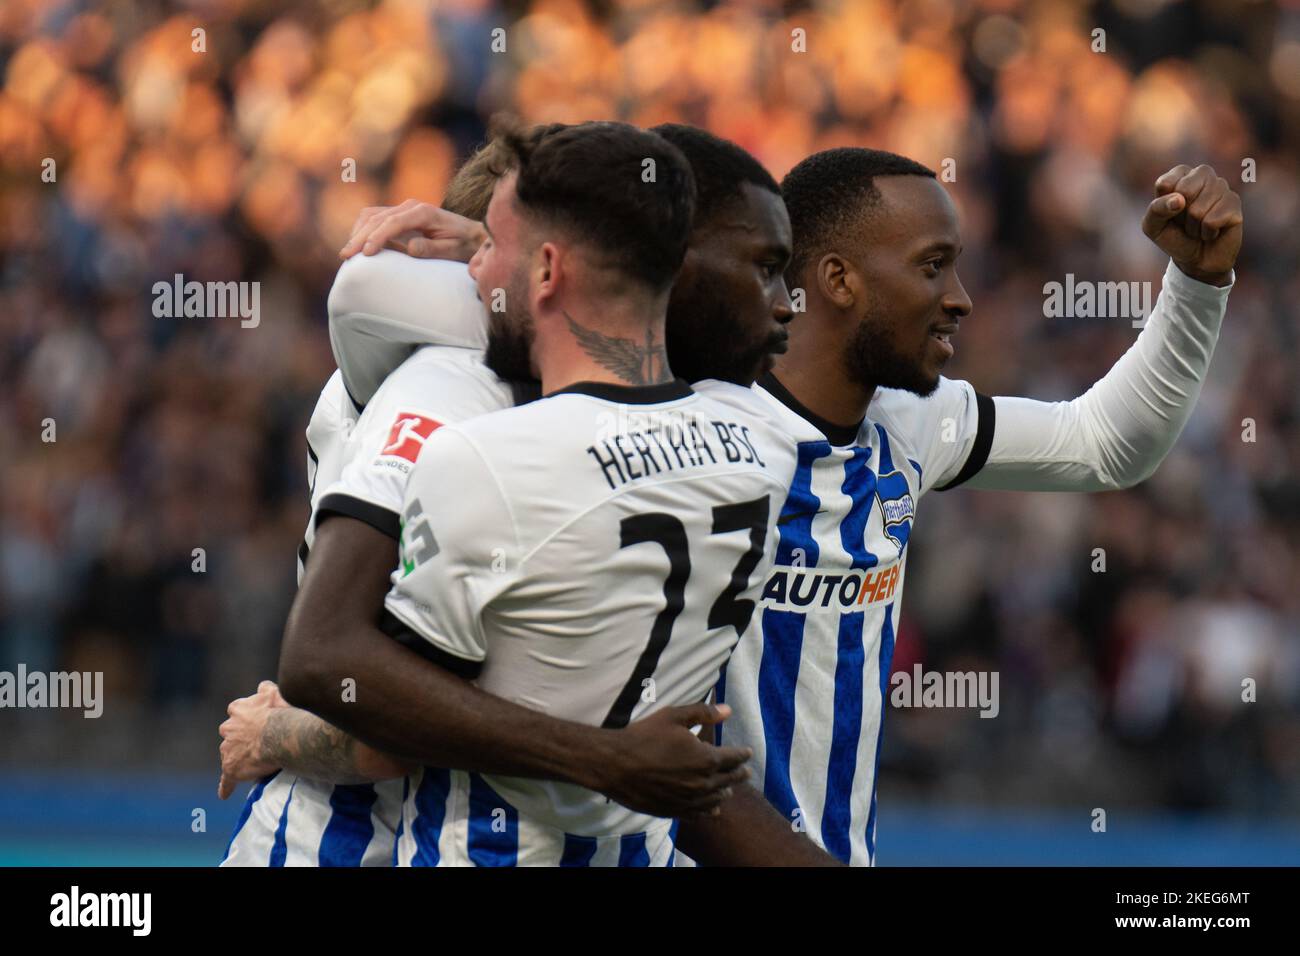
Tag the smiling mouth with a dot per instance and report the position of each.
(943, 335)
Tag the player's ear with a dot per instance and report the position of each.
(546, 260)
(546, 269)
(837, 280)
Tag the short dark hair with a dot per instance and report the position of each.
(831, 194)
(588, 180)
(721, 168)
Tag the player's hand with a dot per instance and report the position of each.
(419, 229)
(661, 768)
(1196, 220)
(241, 744)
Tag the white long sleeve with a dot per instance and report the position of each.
(1117, 433)
(383, 307)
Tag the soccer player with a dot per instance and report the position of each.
(322, 809)
(623, 496)
(876, 242)
(328, 802)
(738, 249)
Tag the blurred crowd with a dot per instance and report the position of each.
(234, 140)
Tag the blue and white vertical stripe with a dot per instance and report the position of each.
(808, 693)
(454, 818)
(291, 821)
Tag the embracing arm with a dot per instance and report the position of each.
(402, 703)
(748, 831)
(383, 307)
(410, 288)
(262, 734)
(471, 729)
(302, 743)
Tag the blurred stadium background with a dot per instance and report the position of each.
(1119, 690)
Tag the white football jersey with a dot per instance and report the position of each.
(436, 386)
(808, 687)
(595, 556)
(331, 422)
(290, 820)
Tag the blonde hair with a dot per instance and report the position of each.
(470, 190)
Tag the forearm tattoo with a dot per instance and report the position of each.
(302, 743)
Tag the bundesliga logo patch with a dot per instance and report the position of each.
(407, 436)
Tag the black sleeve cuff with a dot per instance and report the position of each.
(979, 451)
(399, 631)
(381, 519)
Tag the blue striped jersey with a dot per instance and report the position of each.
(452, 818)
(808, 688)
(289, 820)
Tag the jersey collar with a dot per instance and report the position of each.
(837, 434)
(629, 394)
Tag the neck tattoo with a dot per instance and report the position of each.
(633, 362)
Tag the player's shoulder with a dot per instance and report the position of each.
(505, 432)
(455, 359)
(577, 414)
(434, 387)
(567, 415)
(898, 406)
(332, 419)
(525, 444)
(805, 427)
(794, 425)
(773, 425)
(899, 422)
(447, 377)
(746, 399)
(333, 404)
